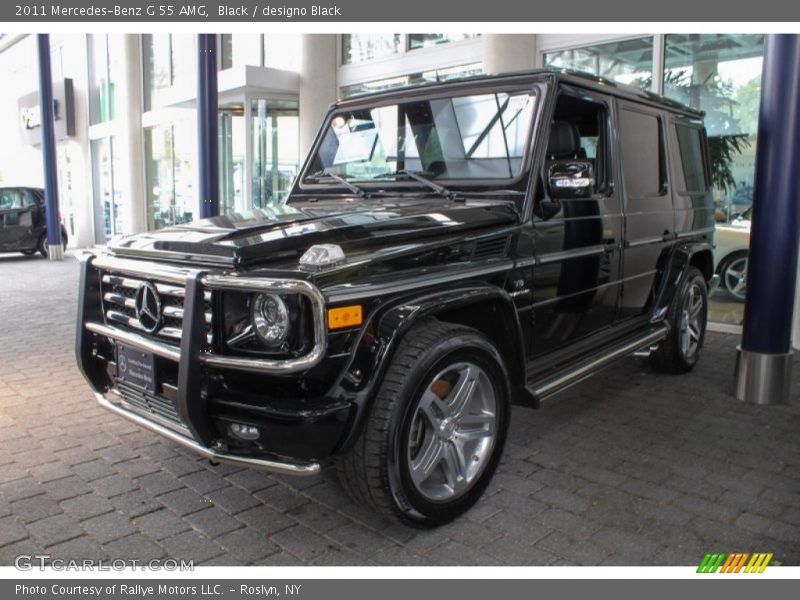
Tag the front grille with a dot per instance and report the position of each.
(119, 307)
(147, 402)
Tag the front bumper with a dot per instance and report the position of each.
(274, 466)
(196, 396)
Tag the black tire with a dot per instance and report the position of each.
(733, 270)
(673, 354)
(41, 246)
(376, 471)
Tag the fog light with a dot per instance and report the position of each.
(244, 432)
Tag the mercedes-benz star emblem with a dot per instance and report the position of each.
(148, 307)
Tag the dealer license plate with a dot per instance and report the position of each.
(136, 368)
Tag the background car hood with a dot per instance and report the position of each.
(281, 234)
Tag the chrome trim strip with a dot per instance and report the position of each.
(335, 295)
(136, 341)
(562, 255)
(657, 239)
(209, 453)
(693, 232)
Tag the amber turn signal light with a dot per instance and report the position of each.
(344, 316)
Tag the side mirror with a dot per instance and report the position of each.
(570, 179)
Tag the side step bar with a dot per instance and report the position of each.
(552, 383)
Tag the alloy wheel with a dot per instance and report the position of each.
(735, 278)
(692, 321)
(453, 432)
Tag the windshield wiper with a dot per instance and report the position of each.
(418, 176)
(350, 186)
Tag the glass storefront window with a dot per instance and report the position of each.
(232, 156)
(721, 74)
(107, 195)
(359, 47)
(426, 40)
(626, 61)
(105, 67)
(276, 151)
(167, 61)
(239, 49)
(170, 173)
(433, 75)
(156, 67)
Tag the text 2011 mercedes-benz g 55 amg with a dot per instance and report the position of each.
(446, 251)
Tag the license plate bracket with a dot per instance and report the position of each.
(136, 368)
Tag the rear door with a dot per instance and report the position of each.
(649, 213)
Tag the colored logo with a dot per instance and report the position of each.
(736, 562)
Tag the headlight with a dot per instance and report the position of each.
(270, 319)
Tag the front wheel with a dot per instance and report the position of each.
(687, 318)
(436, 429)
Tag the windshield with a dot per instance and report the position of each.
(473, 137)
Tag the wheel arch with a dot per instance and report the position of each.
(682, 257)
(468, 305)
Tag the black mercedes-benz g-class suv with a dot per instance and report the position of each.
(446, 251)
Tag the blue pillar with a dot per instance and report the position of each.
(207, 115)
(54, 243)
(764, 362)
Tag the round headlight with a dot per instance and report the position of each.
(270, 318)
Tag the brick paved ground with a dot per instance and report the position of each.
(631, 467)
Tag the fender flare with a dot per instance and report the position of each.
(390, 323)
(676, 264)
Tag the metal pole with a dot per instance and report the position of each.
(763, 367)
(207, 115)
(55, 248)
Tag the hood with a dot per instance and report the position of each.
(279, 236)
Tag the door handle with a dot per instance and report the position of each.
(667, 235)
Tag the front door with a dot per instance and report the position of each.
(576, 275)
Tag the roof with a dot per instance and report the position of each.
(576, 78)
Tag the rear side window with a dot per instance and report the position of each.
(690, 144)
(642, 153)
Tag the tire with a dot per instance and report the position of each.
(687, 317)
(733, 274)
(41, 246)
(405, 467)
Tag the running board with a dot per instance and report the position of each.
(566, 377)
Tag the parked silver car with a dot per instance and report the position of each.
(732, 248)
